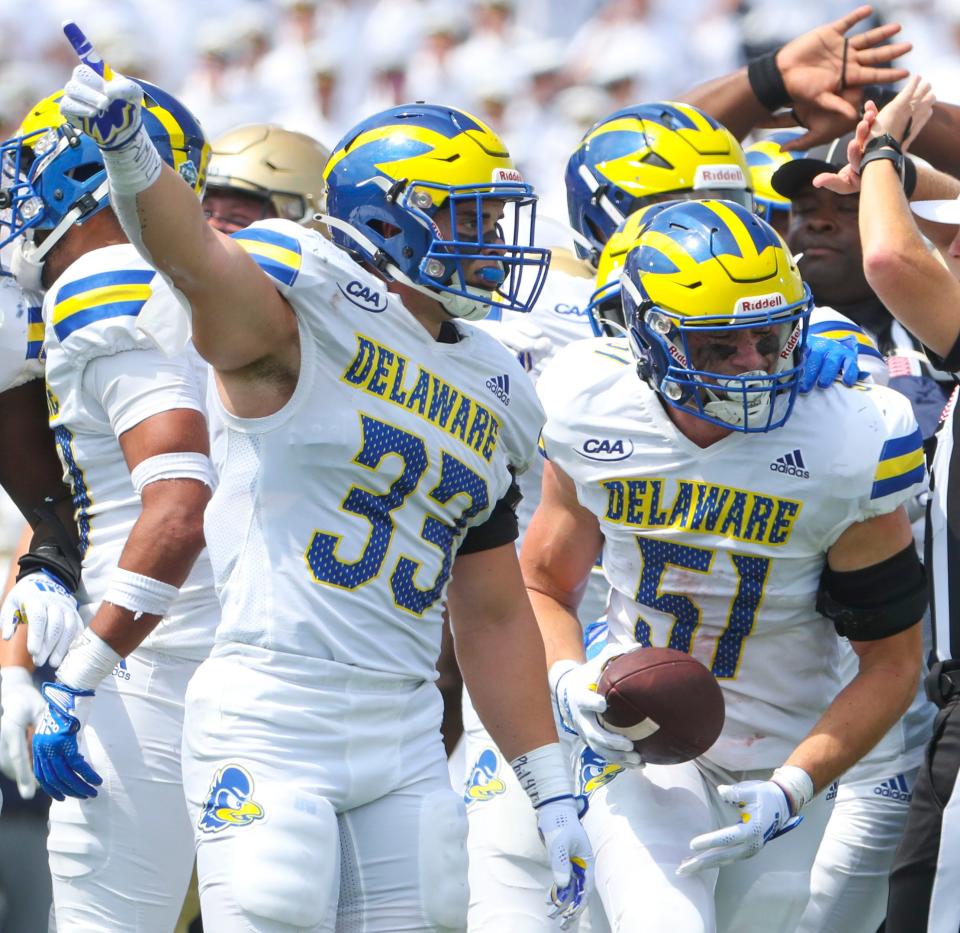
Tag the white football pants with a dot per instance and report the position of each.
(320, 799)
(121, 861)
(848, 886)
(509, 870)
(641, 824)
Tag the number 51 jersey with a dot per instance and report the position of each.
(337, 519)
(718, 551)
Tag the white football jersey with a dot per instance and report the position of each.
(103, 378)
(21, 335)
(718, 552)
(337, 519)
(561, 314)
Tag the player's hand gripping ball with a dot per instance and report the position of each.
(666, 702)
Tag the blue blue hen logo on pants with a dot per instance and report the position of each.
(228, 801)
(483, 782)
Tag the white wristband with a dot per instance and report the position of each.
(135, 166)
(543, 774)
(184, 464)
(88, 661)
(796, 784)
(140, 594)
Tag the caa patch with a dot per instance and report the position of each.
(363, 296)
(605, 448)
(483, 783)
(229, 801)
(594, 772)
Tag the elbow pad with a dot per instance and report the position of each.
(877, 601)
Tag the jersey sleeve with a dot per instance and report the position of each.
(21, 336)
(96, 314)
(296, 258)
(136, 384)
(899, 470)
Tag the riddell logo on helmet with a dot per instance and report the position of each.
(760, 303)
(507, 174)
(719, 176)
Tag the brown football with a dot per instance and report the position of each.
(667, 702)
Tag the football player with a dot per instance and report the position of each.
(642, 156)
(742, 523)
(130, 429)
(371, 440)
(50, 572)
(260, 171)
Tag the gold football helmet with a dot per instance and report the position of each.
(283, 167)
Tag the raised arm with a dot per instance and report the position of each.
(238, 316)
(917, 289)
(819, 73)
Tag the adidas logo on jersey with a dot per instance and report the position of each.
(792, 464)
(895, 788)
(500, 387)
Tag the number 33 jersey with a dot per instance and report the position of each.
(337, 519)
(718, 551)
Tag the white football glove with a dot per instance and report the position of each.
(764, 815)
(571, 858)
(102, 103)
(577, 702)
(519, 336)
(50, 612)
(23, 707)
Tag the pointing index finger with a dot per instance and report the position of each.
(85, 50)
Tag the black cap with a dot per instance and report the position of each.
(798, 173)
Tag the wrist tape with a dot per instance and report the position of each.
(88, 661)
(543, 774)
(796, 784)
(141, 595)
(134, 166)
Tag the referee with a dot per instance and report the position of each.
(924, 295)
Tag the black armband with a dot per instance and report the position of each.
(766, 82)
(501, 527)
(56, 551)
(877, 601)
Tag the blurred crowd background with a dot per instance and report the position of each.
(539, 71)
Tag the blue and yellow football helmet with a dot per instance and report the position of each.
(763, 159)
(605, 308)
(391, 179)
(708, 269)
(53, 175)
(660, 151)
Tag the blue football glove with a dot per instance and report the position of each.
(58, 765)
(827, 359)
(764, 815)
(102, 103)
